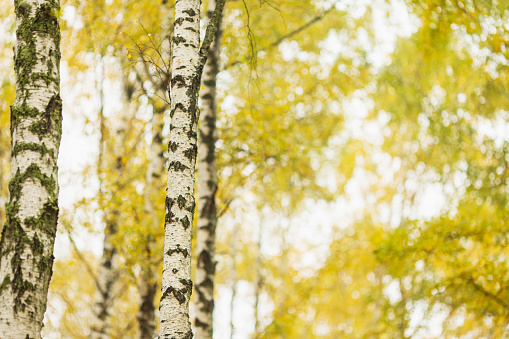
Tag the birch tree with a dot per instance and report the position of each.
(26, 245)
(207, 188)
(107, 274)
(188, 60)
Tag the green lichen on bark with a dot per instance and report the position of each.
(39, 148)
(26, 242)
(16, 239)
(45, 22)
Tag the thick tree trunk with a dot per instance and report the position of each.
(207, 187)
(26, 245)
(148, 283)
(177, 285)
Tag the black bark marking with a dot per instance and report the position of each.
(190, 153)
(178, 106)
(191, 206)
(177, 166)
(178, 80)
(205, 261)
(182, 251)
(169, 218)
(181, 294)
(172, 146)
(185, 222)
(181, 201)
(201, 324)
(178, 39)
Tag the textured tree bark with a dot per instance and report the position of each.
(188, 60)
(207, 187)
(177, 285)
(148, 283)
(26, 245)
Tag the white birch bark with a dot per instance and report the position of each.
(188, 60)
(207, 187)
(176, 285)
(26, 245)
(148, 283)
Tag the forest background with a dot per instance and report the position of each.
(362, 162)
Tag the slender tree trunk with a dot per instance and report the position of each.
(207, 187)
(2, 202)
(106, 278)
(233, 278)
(188, 60)
(148, 283)
(177, 285)
(107, 274)
(26, 245)
(259, 279)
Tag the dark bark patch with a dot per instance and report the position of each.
(180, 250)
(185, 222)
(178, 39)
(178, 80)
(178, 106)
(172, 146)
(181, 201)
(181, 294)
(201, 324)
(177, 166)
(168, 203)
(207, 96)
(205, 261)
(179, 21)
(169, 218)
(190, 153)
(189, 12)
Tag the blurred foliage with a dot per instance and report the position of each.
(407, 262)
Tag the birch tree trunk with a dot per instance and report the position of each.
(148, 283)
(188, 60)
(259, 279)
(26, 245)
(207, 187)
(107, 274)
(177, 285)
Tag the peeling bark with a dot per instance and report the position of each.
(207, 187)
(28, 236)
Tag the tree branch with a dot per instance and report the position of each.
(211, 31)
(287, 36)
